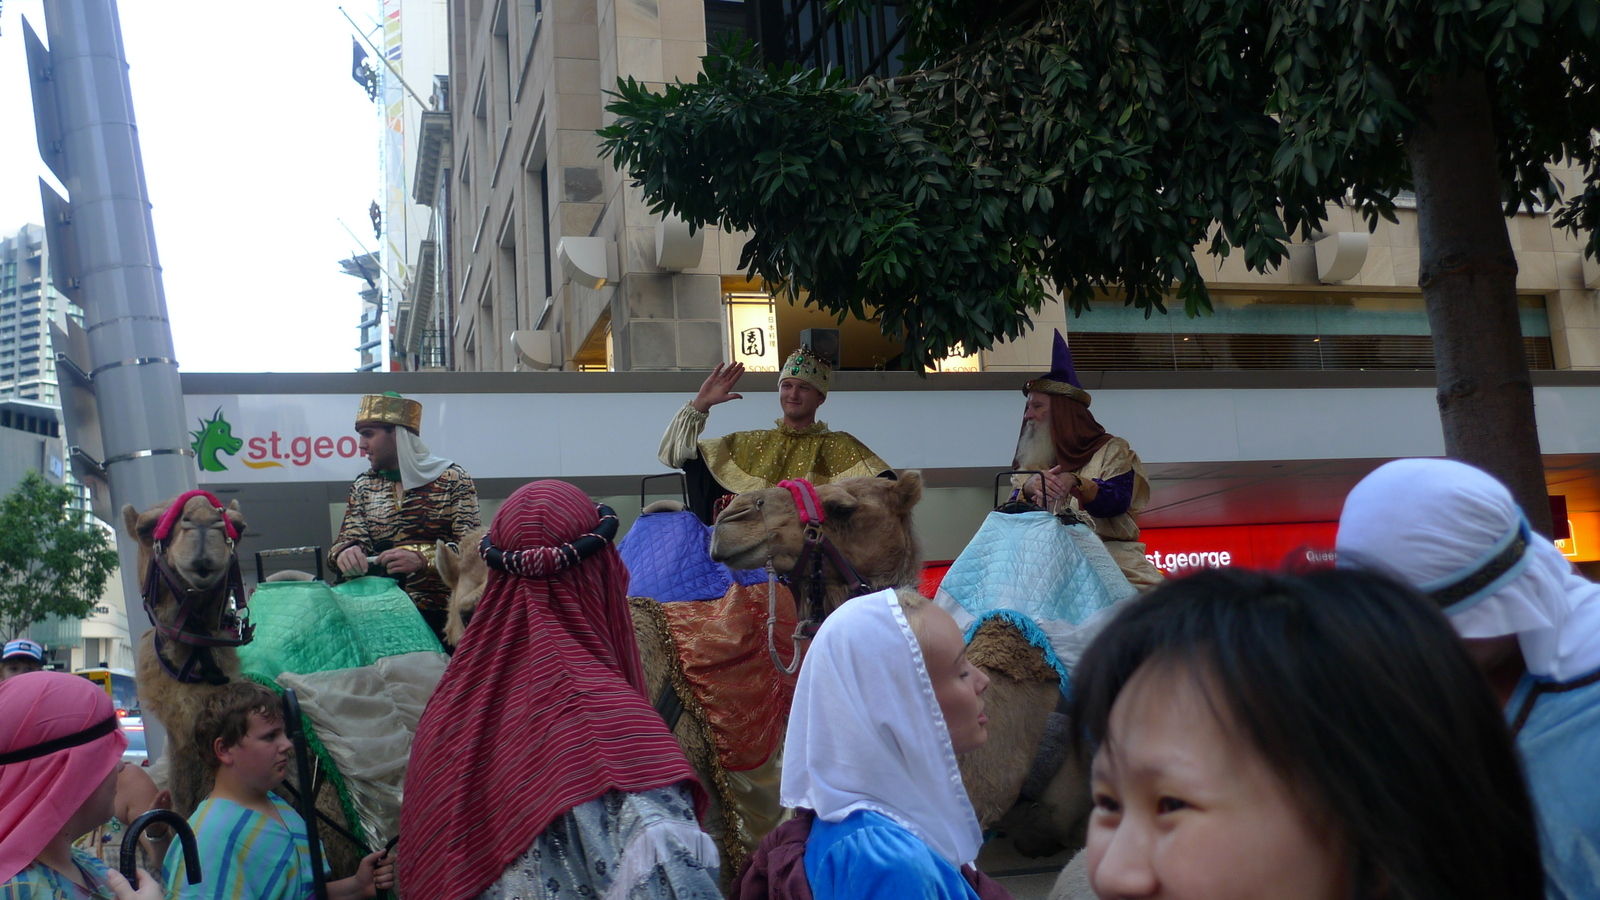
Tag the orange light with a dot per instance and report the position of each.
(1584, 545)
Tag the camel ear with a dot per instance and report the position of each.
(446, 560)
(130, 520)
(236, 517)
(907, 491)
(142, 526)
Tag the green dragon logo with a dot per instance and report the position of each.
(215, 436)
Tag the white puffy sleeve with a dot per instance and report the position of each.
(682, 440)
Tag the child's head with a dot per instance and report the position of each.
(957, 683)
(60, 749)
(1325, 736)
(241, 725)
(884, 702)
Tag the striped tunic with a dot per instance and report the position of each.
(244, 855)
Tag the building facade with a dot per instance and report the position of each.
(31, 440)
(548, 260)
(28, 304)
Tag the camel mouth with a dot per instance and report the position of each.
(752, 557)
(202, 578)
(748, 555)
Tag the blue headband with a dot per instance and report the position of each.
(1497, 567)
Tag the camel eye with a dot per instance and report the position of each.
(760, 503)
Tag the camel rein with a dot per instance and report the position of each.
(200, 666)
(817, 548)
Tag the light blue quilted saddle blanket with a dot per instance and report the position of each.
(1057, 575)
(668, 555)
(310, 626)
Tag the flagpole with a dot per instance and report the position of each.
(423, 103)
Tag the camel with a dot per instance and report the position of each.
(200, 555)
(869, 520)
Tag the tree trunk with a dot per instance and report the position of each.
(1468, 276)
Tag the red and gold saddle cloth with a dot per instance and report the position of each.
(723, 647)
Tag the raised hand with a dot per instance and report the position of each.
(718, 387)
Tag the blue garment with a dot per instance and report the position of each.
(244, 854)
(869, 857)
(1114, 497)
(40, 882)
(1559, 739)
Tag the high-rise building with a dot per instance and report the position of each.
(28, 303)
(412, 36)
(367, 268)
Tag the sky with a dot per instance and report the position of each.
(256, 142)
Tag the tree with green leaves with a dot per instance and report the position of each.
(52, 562)
(1095, 144)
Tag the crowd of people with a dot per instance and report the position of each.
(1421, 722)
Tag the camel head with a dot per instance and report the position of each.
(197, 550)
(868, 519)
(463, 570)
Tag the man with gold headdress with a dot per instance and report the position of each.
(799, 447)
(400, 507)
(1088, 474)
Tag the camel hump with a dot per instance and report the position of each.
(999, 646)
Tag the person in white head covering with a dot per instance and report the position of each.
(401, 507)
(885, 702)
(1531, 622)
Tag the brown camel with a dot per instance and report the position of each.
(869, 520)
(199, 555)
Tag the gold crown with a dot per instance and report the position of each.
(389, 408)
(808, 367)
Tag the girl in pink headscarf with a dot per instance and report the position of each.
(60, 750)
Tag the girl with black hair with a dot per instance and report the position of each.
(1317, 737)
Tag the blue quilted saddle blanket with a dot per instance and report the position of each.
(1058, 575)
(310, 626)
(668, 555)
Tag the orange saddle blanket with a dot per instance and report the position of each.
(723, 647)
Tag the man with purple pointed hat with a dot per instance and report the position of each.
(1089, 475)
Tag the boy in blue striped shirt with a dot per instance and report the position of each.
(253, 845)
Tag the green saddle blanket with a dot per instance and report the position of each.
(310, 626)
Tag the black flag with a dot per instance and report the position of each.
(361, 71)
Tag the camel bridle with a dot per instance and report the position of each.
(818, 549)
(235, 629)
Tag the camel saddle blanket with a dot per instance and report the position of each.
(1058, 575)
(308, 626)
(668, 555)
(722, 645)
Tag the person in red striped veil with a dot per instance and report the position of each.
(540, 769)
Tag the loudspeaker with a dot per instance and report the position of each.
(823, 344)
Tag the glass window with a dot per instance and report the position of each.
(1279, 330)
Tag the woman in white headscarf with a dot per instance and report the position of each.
(1533, 624)
(885, 701)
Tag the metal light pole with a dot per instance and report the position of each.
(84, 112)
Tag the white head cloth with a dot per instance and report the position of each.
(417, 466)
(1430, 523)
(866, 732)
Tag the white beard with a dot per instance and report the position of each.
(1035, 448)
